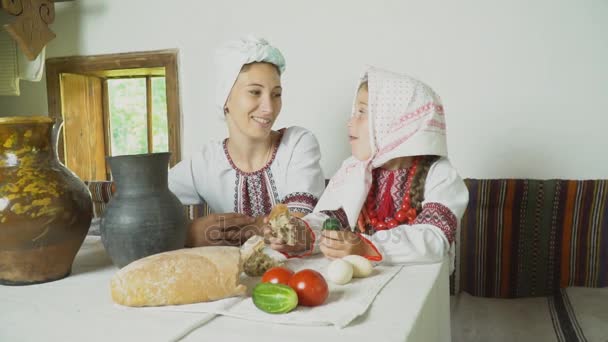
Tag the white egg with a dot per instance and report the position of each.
(361, 266)
(340, 272)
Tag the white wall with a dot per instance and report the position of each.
(524, 83)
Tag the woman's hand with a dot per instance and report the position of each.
(304, 239)
(340, 243)
(228, 229)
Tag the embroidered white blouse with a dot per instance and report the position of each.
(292, 176)
(432, 235)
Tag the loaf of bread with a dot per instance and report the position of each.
(184, 276)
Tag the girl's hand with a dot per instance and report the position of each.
(340, 243)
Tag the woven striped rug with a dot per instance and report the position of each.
(522, 238)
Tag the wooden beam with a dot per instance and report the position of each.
(173, 111)
(106, 124)
(128, 73)
(130, 60)
(149, 113)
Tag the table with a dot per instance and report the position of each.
(413, 306)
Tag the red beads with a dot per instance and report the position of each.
(406, 214)
(411, 215)
(392, 223)
(400, 216)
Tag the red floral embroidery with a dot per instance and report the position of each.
(440, 216)
(255, 192)
(302, 202)
(399, 184)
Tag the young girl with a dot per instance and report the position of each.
(398, 195)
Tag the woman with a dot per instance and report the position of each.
(242, 177)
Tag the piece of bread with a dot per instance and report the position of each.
(255, 262)
(184, 276)
(281, 223)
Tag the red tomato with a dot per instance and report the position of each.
(310, 286)
(277, 275)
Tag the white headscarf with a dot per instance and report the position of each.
(231, 57)
(405, 119)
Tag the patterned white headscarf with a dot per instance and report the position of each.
(231, 57)
(405, 119)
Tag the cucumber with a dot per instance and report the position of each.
(332, 224)
(274, 298)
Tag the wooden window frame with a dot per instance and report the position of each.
(99, 64)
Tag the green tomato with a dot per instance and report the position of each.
(274, 298)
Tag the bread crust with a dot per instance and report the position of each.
(178, 277)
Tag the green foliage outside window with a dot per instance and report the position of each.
(159, 115)
(128, 123)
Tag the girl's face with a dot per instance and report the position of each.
(358, 127)
(254, 102)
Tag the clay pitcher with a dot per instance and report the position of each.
(143, 216)
(45, 210)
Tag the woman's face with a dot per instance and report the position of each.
(358, 127)
(254, 102)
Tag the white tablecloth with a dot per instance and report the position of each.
(413, 306)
